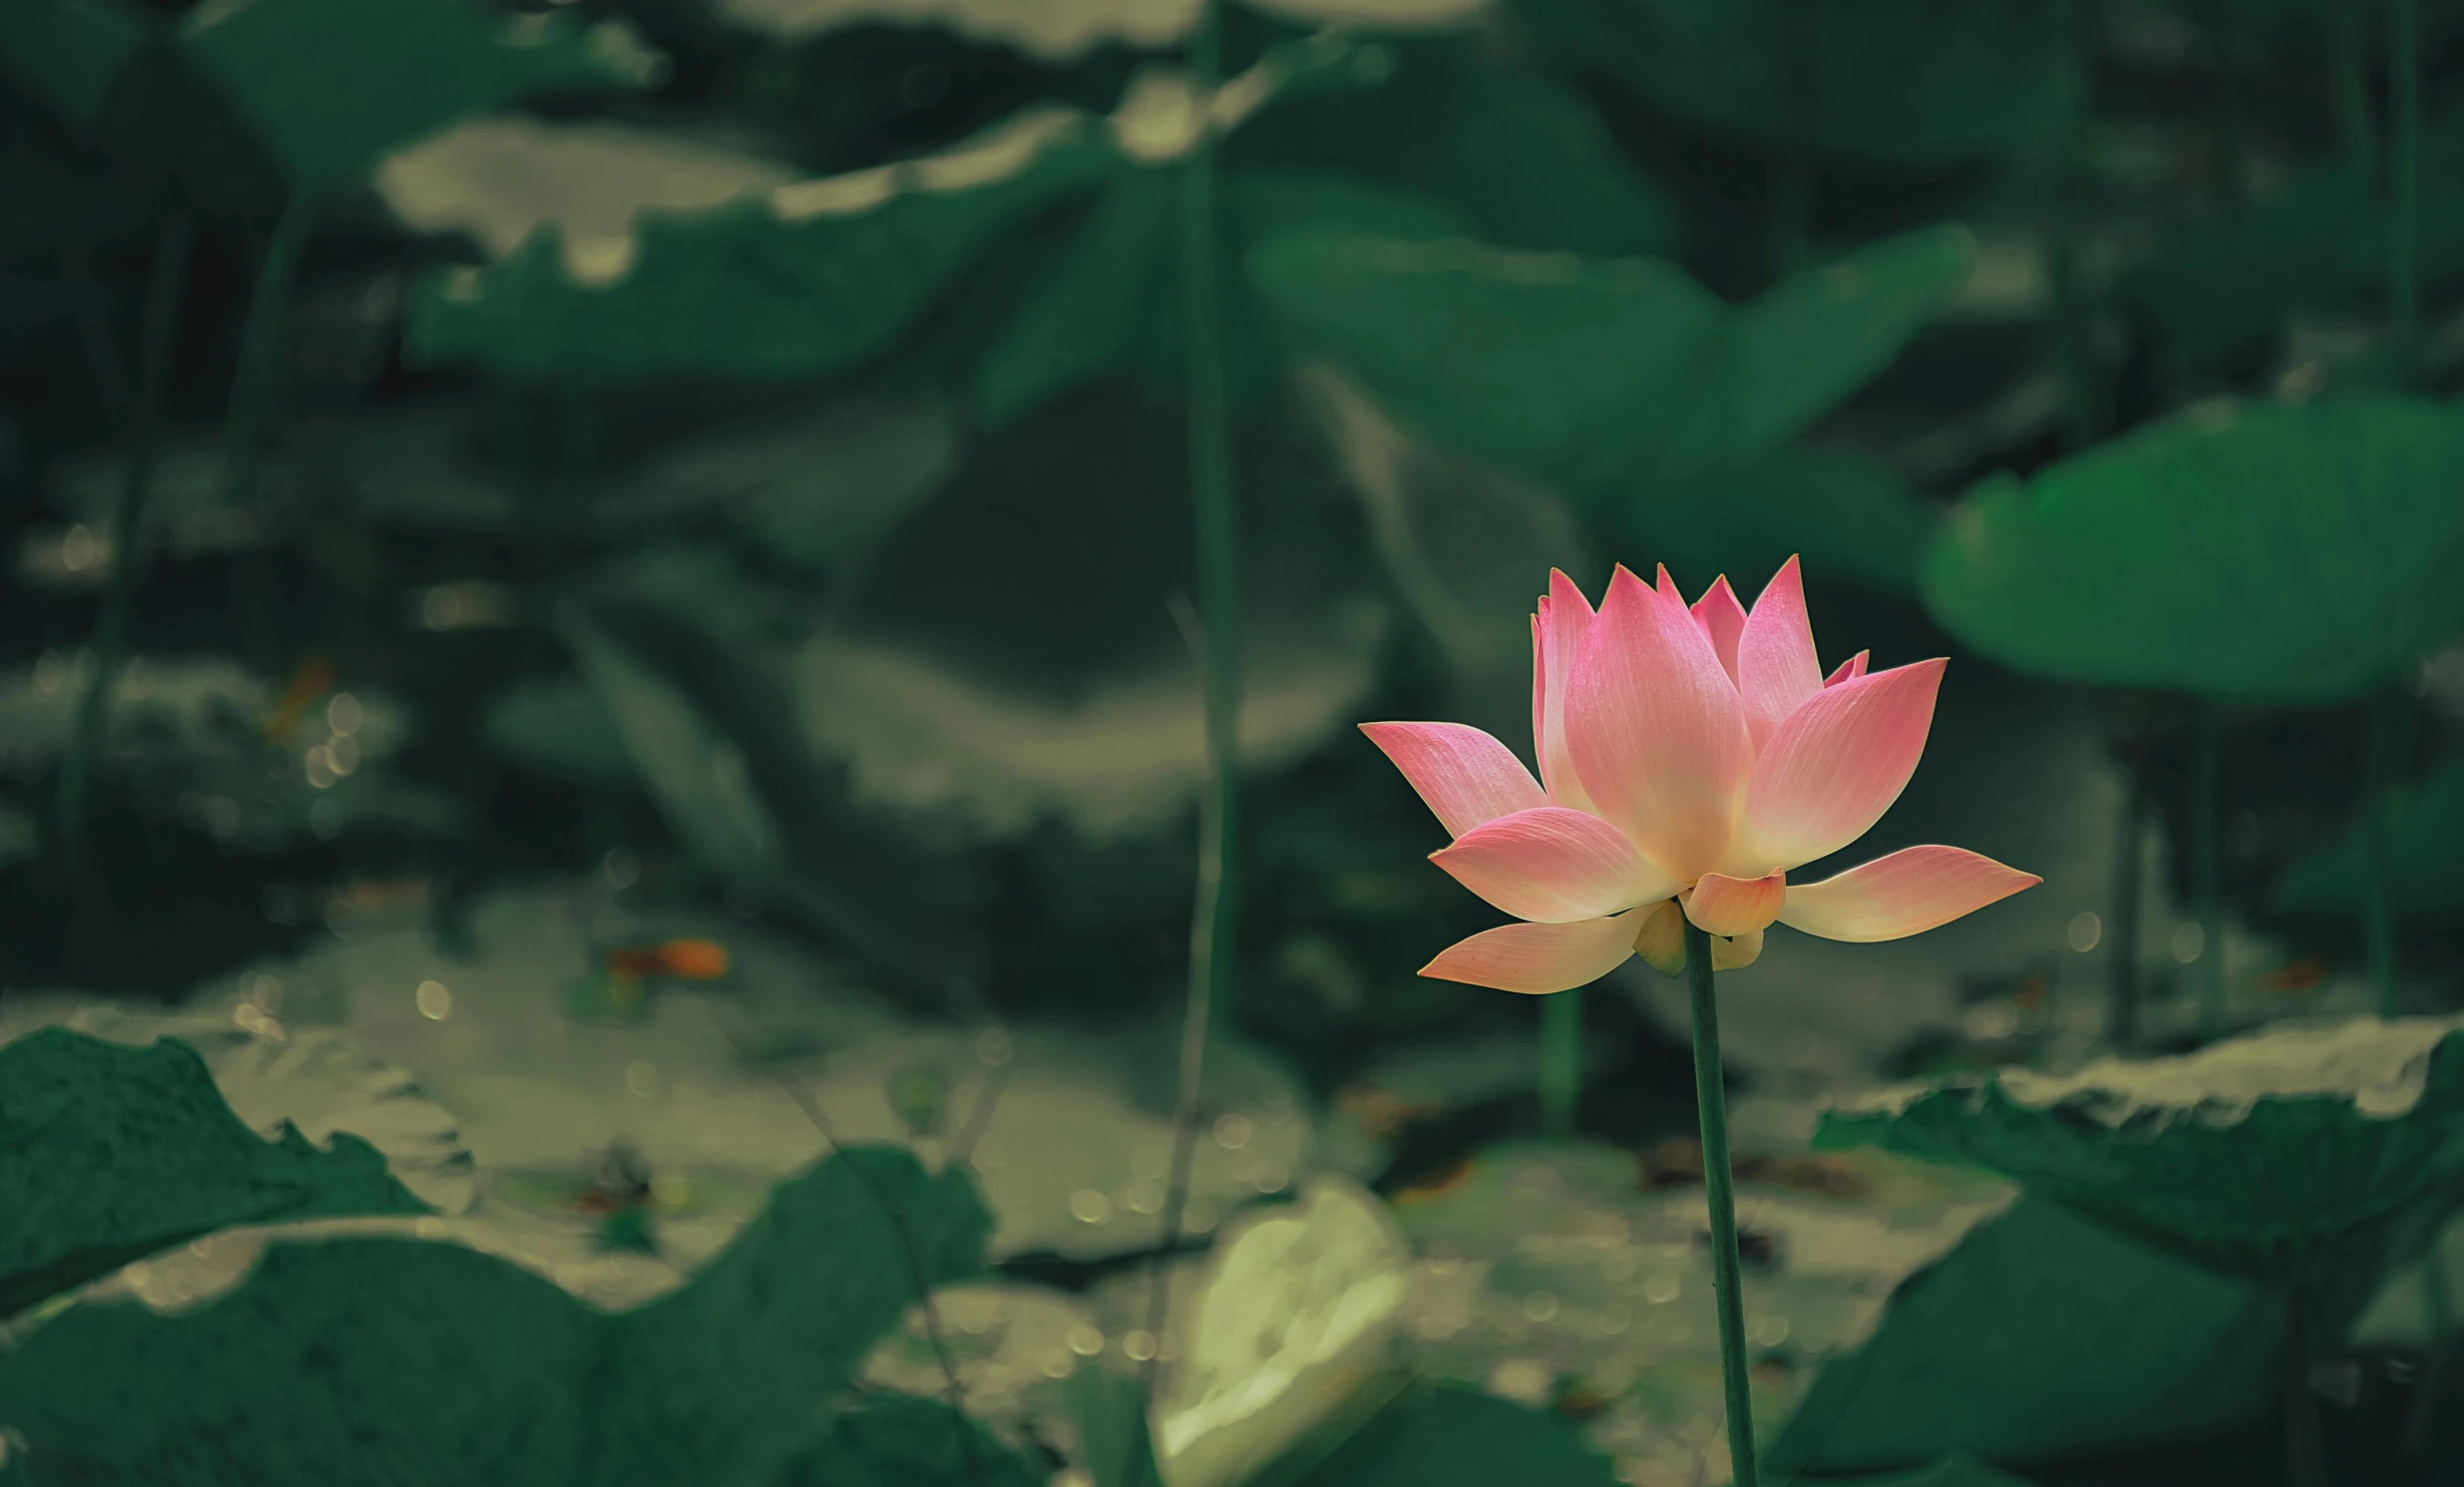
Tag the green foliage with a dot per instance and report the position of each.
(69, 54)
(2269, 1155)
(109, 1154)
(2043, 1334)
(1917, 84)
(1612, 378)
(895, 1442)
(1447, 1437)
(1110, 1411)
(1849, 517)
(2265, 553)
(380, 1359)
(1961, 1470)
(2426, 855)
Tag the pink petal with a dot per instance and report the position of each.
(1832, 769)
(1736, 905)
(1465, 775)
(1539, 958)
(1906, 893)
(1668, 586)
(1555, 866)
(1724, 619)
(1556, 637)
(1776, 666)
(1850, 669)
(1656, 730)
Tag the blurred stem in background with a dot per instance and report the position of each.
(1720, 1190)
(252, 399)
(2121, 1008)
(1215, 633)
(2305, 1458)
(2403, 180)
(2382, 763)
(2207, 893)
(167, 281)
(1560, 1064)
(2348, 82)
(2440, 1305)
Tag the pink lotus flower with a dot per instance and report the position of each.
(1688, 759)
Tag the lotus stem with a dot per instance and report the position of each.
(2348, 83)
(2379, 767)
(1720, 1190)
(252, 394)
(2440, 1305)
(2122, 1006)
(1561, 1062)
(2404, 179)
(2206, 892)
(165, 288)
(2305, 1462)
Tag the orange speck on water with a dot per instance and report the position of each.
(2294, 978)
(314, 679)
(684, 960)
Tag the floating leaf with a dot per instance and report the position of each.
(1929, 84)
(2426, 855)
(448, 1365)
(2043, 1334)
(109, 1154)
(1449, 1436)
(2259, 1157)
(1293, 1323)
(1602, 375)
(2269, 554)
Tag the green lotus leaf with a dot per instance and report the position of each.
(1848, 516)
(1924, 83)
(907, 1442)
(1604, 376)
(2258, 552)
(2263, 1157)
(2426, 855)
(558, 727)
(109, 1154)
(68, 54)
(448, 1365)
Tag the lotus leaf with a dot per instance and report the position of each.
(2165, 558)
(2425, 853)
(2263, 1157)
(181, 1164)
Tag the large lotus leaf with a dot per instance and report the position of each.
(1451, 1436)
(2261, 1156)
(909, 1442)
(110, 1153)
(1604, 376)
(391, 1360)
(2042, 1334)
(1113, 299)
(1924, 83)
(2170, 557)
(329, 86)
(1525, 158)
(2425, 853)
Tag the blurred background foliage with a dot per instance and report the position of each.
(543, 529)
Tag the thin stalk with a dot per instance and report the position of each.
(2348, 83)
(2379, 768)
(1218, 537)
(253, 387)
(2121, 1008)
(166, 288)
(2442, 1307)
(1719, 1187)
(1197, 1015)
(1561, 1062)
(2306, 1457)
(2403, 180)
(2207, 895)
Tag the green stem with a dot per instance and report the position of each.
(2122, 1012)
(1561, 1062)
(1719, 1187)
(2404, 179)
(2306, 1463)
(1211, 485)
(2348, 83)
(2206, 891)
(2379, 768)
(261, 346)
(2418, 1418)
(166, 288)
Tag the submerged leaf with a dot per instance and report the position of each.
(2269, 554)
(109, 1154)
(2260, 1156)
